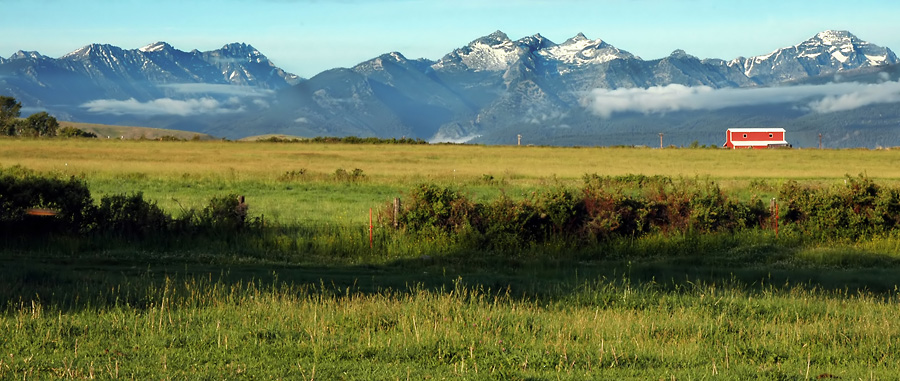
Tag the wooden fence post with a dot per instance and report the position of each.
(241, 210)
(396, 217)
(772, 212)
(776, 217)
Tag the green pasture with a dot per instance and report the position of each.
(179, 175)
(309, 298)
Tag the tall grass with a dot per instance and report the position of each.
(309, 297)
(202, 326)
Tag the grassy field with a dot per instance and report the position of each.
(402, 163)
(184, 174)
(315, 302)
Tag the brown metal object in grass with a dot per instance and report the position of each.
(40, 212)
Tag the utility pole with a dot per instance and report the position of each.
(660, 140)
(820, 140)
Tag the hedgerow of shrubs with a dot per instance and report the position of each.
(857, 209)
(607, 208)
(22, 192)
(604, 209)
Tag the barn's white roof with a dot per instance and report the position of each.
(756, 129)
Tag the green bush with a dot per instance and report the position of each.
(131, 216)
(859, 208)
(22, 190)
(612, 214)
(438, 209)
(224, 213)
(506, 223)
(343, 175)
(713, 211)
(73, 132)
(561, 210)
(292, 175)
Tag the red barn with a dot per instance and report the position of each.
(736, 138)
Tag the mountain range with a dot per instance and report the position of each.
(578, 92)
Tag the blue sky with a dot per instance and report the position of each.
(306, 37)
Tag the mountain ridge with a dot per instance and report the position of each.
(479, 92)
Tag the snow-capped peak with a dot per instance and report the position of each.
(582, 50)
(154, 47)
(826, 52)
(535, 42)
(681, 54)
(846, 50)
(240, 48)
(835, 37)
(19, 55)
(494, 52)
(88, 50)
(496, 38)
(580, 37)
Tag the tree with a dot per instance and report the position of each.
(9, 111)
(40, 124)
(10, 128)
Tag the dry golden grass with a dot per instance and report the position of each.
(393, 163)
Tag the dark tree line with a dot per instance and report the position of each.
(40, 124)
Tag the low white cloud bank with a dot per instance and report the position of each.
(832, 97)
(888, 92)
(162, 106)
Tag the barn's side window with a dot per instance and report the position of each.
(771, 135)
(745, 136)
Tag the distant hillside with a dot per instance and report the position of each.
(128, 132)
(256, 138)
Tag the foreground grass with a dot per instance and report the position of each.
(188, 327)
(309, 298)
(745, 306)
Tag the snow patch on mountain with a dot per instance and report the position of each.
(494, 53)
(154, 47)
(826, 52)
(580, 50)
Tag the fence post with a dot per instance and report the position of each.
(241, 209)
(773, 208)
(776, 218)
(396, 216)
(370, 228)
(772, 211)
